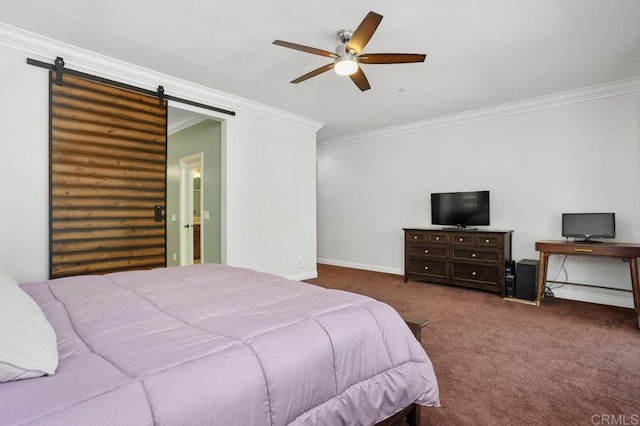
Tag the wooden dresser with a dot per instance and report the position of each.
(466, 258)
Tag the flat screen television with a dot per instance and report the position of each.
(588, 225)
(460, 209)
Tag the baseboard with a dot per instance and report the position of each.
(525, 302)
(303, 276)
(364, 266)
(601, 296)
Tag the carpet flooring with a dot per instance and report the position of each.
(505, 363)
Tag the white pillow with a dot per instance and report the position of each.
(28, 344)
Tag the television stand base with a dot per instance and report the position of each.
(587, 241)
(459, 228)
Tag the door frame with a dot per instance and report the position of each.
(224, 120)
(186, 216)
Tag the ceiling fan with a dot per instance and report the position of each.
(349, 54)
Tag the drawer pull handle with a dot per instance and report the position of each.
(486, 241)
(473, 255)
(580, 250)
(461, 239)
(426, 251)
(473, 273)
(437, 238)
(426, 267)
(415, 237)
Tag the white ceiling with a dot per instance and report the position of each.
(480, 53)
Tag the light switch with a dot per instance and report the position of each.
(173, 219)
(205, 214)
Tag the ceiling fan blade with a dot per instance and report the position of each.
(307, 49)
(391, 58)
(313, 73)
(364, 32)
(360, 80)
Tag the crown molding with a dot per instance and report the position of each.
(46, 49)
(187, 121)
(584, 94)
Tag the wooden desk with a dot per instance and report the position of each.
(623, 251)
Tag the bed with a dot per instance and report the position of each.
(214, 344)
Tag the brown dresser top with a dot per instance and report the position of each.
(462, 231)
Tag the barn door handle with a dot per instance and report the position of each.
(157, 214)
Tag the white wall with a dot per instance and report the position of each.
(269, 216)
(271, 180)
(576, 157)
(24, 168)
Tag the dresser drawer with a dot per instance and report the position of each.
(437, 238)
(461, 239)
(428, 267)
(418, 236)
(478, 273)
(479, 255)
(426, 251)
(487, 240)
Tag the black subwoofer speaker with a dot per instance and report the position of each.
(526, 279)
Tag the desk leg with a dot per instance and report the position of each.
(633, 263)
(542, 277)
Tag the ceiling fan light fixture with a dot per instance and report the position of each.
(346, 64)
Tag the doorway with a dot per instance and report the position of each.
(194, 189)
(191, 209)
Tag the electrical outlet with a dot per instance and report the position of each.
(341, 250)
(175, 256)
(300, 263)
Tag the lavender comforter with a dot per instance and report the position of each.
(212, 344)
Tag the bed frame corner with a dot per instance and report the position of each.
(415, 325)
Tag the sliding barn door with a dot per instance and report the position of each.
(108, 172)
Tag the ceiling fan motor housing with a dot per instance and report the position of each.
(341, 51)
(344, 35)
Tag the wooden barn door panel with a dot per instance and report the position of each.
(108, 171)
